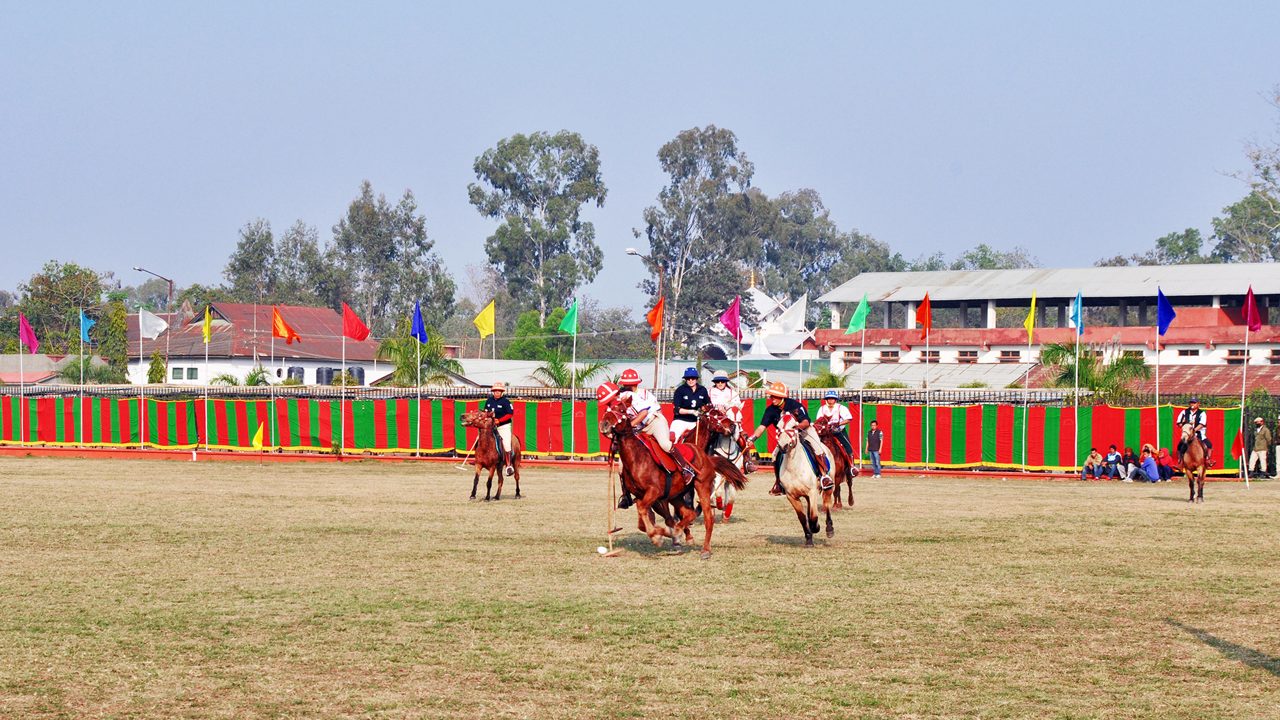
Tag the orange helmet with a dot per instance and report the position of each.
(629, 377)
(777, 389)
(606, 391)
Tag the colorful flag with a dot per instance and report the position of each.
(352, 327)
(150, 325)
(484, 321)
(1252, 317)
(1077, 312)
(86, 324)
(924, 317)
(257, 437)
(419, 328)
(654, 316)
(281, 329)
(207, 329)
(731, 318)
(859, 319)
(570, 322)
(26, 335)
(1030, 322)
(1164, 312)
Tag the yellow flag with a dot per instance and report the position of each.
(484, 321)
(1030, 322)
(257, 437)
(208, 325)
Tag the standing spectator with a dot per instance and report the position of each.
(1261, 446)
(1111, 463)
(1147, 471)
(1092, 464)
(1128, 463)
(875, 436)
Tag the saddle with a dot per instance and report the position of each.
(665, 461)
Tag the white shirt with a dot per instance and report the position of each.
(837, 415)
(724, 399)
(642, 400)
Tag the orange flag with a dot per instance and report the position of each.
(924, 317)
(281, 329)
(654, 317)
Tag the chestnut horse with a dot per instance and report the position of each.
(487, 456)
(1193, 465)
(714, 433)
(842, 469)
(801, 485)
(648, 483)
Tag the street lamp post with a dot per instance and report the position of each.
(168, 309)
(657, 360)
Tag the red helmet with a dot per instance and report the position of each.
(629, 377)
(606, 391)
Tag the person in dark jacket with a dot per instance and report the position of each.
(875, 439)
(687, 401)
(500, 406)
(780, 403)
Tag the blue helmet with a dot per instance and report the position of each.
(691, 373)
(720, 377)
(831, 395)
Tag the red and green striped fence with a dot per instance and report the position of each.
(914, 436)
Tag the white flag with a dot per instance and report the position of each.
(150, 325)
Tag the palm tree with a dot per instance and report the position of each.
(1095, 373)
(824, 379)
(94, 374)
(256, 376)
(555, 372)
(403, 350)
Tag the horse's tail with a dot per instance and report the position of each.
(730, 472)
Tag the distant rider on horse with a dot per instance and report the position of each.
(838, 418)
(780, 405)
(1195, 417)
(646, 417)
(688, 401)
(500, 406)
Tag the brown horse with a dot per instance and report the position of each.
(1193, 465)
(842, 469)
(649, 484)
(487, 456)
(714, 433)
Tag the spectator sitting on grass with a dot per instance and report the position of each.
(1147, 471)
(1092, 464)
(1112, 463)
(1168, 468)
(1128, 463)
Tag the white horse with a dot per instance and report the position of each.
(800, 482)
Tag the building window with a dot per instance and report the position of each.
(1010, 356)
(1235, 357)
(888, 356)
(1095, 354)
(929, 357)
(1189, 352)
(177, 373)
(967, 357)
(852, 357)
(193, 373)
(1275, 357)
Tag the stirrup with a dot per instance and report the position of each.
(510, 471)
(777, 488)
(625, 502)
(825, 482)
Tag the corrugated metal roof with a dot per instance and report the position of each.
(1060, 283)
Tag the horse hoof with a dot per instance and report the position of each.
(808, 542)
(831, 533)
(472, 498)
(705, 555)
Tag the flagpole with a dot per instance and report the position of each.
(22, 395)
(573, 385)
(1075, 420)
(142, 391)
(1244, 375)
(1026, 403)
(206, 391)
(417, 433)
(271, 413)
(80, 425)
(862, 364)
(1159, 438)
(342, 401)
(928, 427)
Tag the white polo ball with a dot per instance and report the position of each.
(602, 549)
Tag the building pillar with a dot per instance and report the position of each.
(1040, 311)
(964, 314)
(887, 314)
(835, 317)
(1062, 316)
(1142, 313)
(991, 313)
(909, 322)
(1217, 301)
(1124, 313)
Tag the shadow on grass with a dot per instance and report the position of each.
(1166, 498)
(1240, 653)
(794, 540)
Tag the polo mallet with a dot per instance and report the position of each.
(613, 504)
(463, 466)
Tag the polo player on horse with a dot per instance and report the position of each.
(646, 416)
(780, 404)
(1196, 418)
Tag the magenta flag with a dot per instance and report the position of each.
(27, 335)
(1251, 316)
(731, 318)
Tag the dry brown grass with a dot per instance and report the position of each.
(226, 591)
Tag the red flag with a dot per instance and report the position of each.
(1237, 447)
(1251, 316)
(731, 318)
(351, 325)
(654, 317)
(26, 335)
(924, 317)
(281, 329)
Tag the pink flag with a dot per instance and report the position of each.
(731, 318)
(27, 335)
(1251, 316)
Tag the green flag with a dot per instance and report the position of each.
(859, 319)
(570, 322)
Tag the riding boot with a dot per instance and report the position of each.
(777, 488)
(687, 496)
(625, 501)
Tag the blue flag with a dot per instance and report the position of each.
(1077, 312)
(419, 330)
(85, 325)
(1164, 312)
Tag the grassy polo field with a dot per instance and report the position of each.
(363, 589)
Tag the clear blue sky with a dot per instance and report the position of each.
(148, 133)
